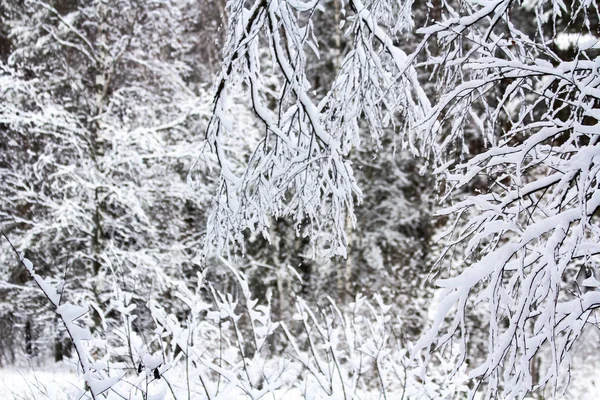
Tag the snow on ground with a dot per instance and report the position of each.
(62, 383)
(23, 383)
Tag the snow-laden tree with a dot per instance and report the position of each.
(394, 230)
(509, 117)
(530, 238)
(300, 168)
(101, 119)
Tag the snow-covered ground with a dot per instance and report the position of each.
(47, 383)
(59, 383)
(62, 383)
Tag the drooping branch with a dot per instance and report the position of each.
(96, 381)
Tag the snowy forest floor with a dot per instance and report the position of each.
(21, 383)
(60, 382)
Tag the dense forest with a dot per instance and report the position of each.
(282, 199)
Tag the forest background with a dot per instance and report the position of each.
(322, 199)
